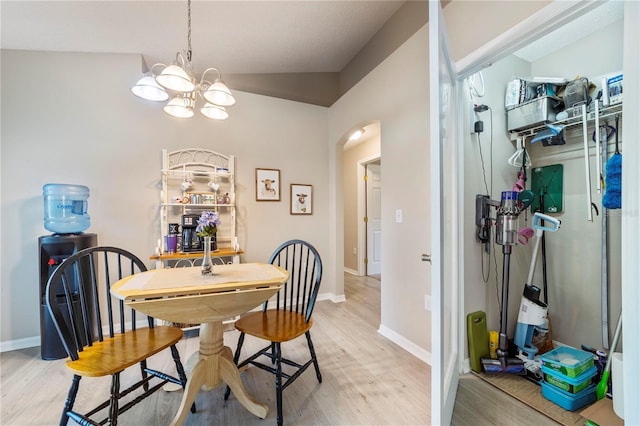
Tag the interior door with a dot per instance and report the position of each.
(374, 218)
(444, 219)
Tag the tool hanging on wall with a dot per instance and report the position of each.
(546, 184)
(542, 334)
(603, 384)
(506, 235)
(533, 312)
(587, 167)
(613, 183)
(603, 133)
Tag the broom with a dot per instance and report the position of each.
(612, 198)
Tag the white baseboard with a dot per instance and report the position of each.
(31, 342)
(331, 296)
(14, 345)
(351, 271)
(466, 366)
(406, 344)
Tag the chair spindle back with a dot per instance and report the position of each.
(303, 262)
(78, 294)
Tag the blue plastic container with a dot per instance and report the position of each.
(566, 400)
(65, 208)
(569, 384)
(568, 361)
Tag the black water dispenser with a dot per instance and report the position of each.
(53, 249)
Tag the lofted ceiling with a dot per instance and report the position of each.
(233, 36)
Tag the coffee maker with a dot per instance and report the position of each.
(190, 240)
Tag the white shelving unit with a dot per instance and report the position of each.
(212, 187)
(605, 113)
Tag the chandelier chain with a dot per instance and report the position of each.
(189, 30)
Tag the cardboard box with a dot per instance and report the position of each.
(601, 413)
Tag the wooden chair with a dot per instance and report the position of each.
(100, 343)
(291, 317)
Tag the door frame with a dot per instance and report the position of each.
(446, 247)
(547, 19)
(362, 209)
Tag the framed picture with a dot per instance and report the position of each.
(301, 199)
(267, 185)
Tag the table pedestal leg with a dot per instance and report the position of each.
(231, 376)
(214, 366)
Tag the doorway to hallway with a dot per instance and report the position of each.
(373, 219)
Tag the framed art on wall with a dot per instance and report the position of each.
(267, 185)
(301, 199)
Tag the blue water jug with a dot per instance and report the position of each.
(65, 208)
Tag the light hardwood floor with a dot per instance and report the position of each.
(367, 380)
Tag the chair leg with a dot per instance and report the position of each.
(115, 396)
(180, 369)
(71, 398)
(143, 370)
(313, 356)
(236, 358)
(278, 358)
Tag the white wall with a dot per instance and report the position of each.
(70, 118)
(396, 94)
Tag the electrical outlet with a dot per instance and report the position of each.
(399, 216)
(355, 251)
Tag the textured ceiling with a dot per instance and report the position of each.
(234, 36)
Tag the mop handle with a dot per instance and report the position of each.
(597, 131)
(587, 169)
(534, 258)
(551, 224)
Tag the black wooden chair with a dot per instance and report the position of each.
(291, 317)
(100, 337)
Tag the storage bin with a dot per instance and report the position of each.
(568, 361)
(533, 113)
(569, 384)
(566, 400)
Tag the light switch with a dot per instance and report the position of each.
(399, 216)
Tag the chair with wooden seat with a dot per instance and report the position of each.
(100, 334)
(288, 318)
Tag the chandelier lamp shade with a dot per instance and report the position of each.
(177, 84)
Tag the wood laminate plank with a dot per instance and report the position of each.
(367, 380)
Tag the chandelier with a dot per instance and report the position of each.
(177, 81)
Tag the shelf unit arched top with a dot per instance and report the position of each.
(193, 158)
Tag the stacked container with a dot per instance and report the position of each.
(568, 377)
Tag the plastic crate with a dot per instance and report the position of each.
(569, 384)
(566, 400)
(568, 361)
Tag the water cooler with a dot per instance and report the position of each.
(65, 214)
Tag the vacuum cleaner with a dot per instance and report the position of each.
(506, 236)
(533, 312)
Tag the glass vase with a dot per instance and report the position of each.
(207, 262)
